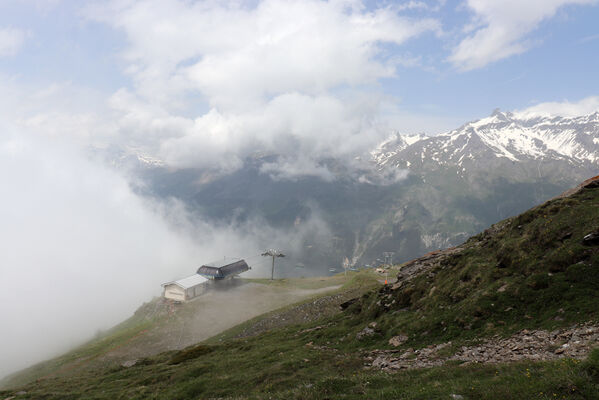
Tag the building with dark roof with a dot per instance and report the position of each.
(223, 269)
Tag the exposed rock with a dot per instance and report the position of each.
(398, 340)
(538, 345)
(565, 236)
(348, 303)
(424, 264)
(364, 333)
(592, 239)
(316, 328)
(456, 396)
(503, 288)
(129, 363)
(588, 184)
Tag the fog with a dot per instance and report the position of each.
(81, 251)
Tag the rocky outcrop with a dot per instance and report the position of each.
(538, 345)
(589, 183)
(422, 264)
(592, 239)
(398, 340)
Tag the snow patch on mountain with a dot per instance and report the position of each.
(395, 143)
(514, 136)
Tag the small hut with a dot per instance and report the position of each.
(223, 269)
(186, 288)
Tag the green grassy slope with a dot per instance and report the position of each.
(73, 361)
(531, 271)
(156, 326)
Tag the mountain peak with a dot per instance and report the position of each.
(515, 136)
(496, 112)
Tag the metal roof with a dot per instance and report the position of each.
(188, 282)
(225, 271)
(222, 263)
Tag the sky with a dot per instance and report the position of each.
(204, 84)
(175, 77)
(194, 83)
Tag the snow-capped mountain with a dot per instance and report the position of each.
(417, 194)
(393, 145)
(514, 137)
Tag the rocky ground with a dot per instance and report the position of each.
(537, 345)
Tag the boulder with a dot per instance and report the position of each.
(348, 303)
(398, 340)
(592, 239)
(364, 333)
(129, 363)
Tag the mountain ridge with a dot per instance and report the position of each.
(510, 135)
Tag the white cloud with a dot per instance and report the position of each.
(385, 176)
(286, 169)
(293, 125)
(11, 40)
(499, 29)
(237, 55)
(285, 76)
(589, 38)
(585, 106)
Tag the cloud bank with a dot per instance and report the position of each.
(500, 29)
(80, 250)
(585, 106)
(286, 76)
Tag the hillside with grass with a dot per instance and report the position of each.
(512, 313)
(161, 325)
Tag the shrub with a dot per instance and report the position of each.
(538, 281)
(191, 353)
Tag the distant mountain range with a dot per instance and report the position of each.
(510, 136)
(444, 188)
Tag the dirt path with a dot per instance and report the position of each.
(208, 315)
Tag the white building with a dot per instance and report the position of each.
(186, 288)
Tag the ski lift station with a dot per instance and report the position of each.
(192, 286)
(223, 269)
(186, 288)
